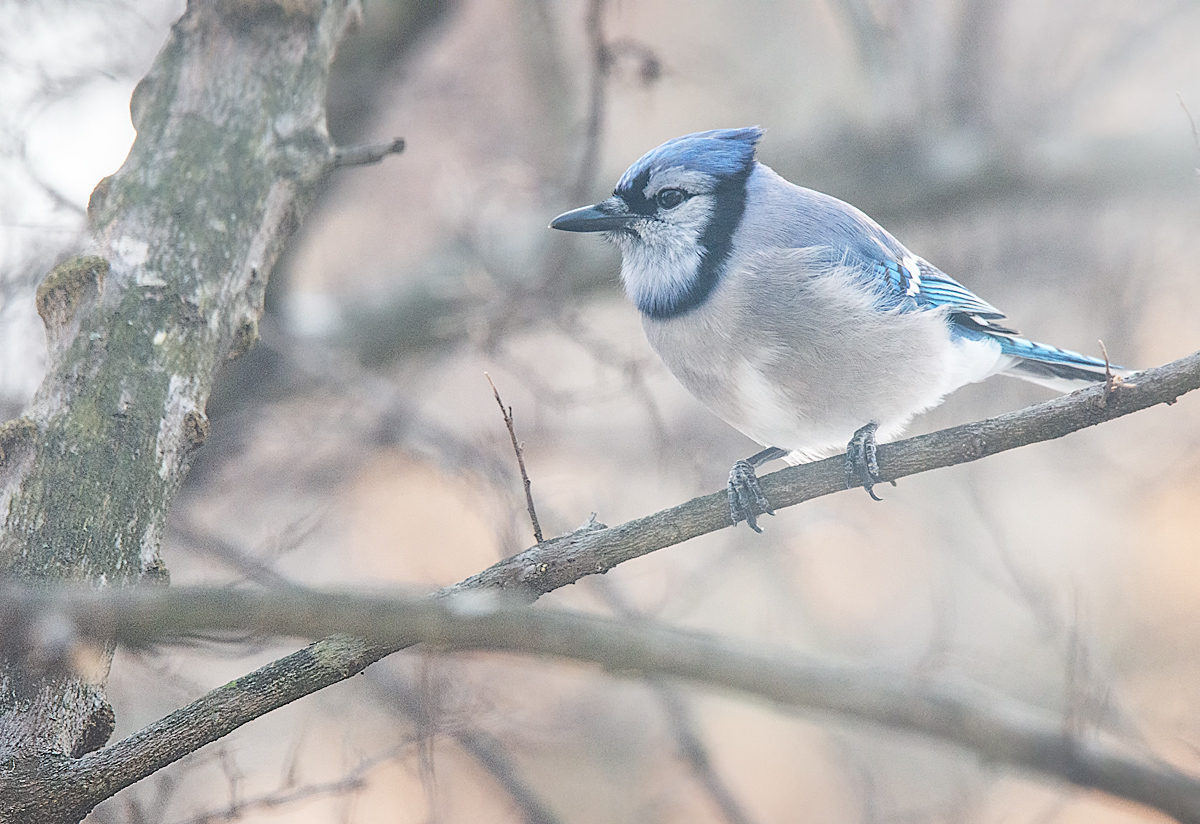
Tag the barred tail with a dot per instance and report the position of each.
(1058, 369)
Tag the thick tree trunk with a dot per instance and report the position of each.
(230, 153)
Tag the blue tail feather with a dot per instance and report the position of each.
(1054, 367)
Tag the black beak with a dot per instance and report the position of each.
(603, 217)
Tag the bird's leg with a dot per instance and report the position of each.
(861, 463)
(746, 500)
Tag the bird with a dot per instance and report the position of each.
(795, 317)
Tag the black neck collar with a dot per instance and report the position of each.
(716, 242)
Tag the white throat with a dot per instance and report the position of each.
(661, 263)
(657, 274)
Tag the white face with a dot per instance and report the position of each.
(662, 255)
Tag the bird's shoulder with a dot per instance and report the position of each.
(779, 213)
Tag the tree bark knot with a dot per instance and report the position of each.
(195, 428)
(16, 437)
(97, 728)
(67, 288)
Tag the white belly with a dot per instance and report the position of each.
(803, 368)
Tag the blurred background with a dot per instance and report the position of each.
(1043, 153)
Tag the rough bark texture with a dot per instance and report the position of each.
(231, 150)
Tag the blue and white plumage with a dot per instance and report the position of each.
(791, 314)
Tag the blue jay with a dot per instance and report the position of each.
(792, 315)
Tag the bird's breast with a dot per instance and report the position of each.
(801, 358)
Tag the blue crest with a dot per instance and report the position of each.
(718, 152)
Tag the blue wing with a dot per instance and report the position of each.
(903, 281)
(917, 284)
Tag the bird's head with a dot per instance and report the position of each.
(673, 215)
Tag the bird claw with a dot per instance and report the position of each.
(746, 499)
(862, 466)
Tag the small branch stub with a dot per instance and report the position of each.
(506, 411)
(1111, 379)
(366, 155)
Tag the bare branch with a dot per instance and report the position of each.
(507, 412)
(564, 560)
(992, 725)
(398, 696)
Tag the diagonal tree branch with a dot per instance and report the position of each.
(992, 725)
(395, 693)
(564, 560)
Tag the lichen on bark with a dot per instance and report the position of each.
(231, 151)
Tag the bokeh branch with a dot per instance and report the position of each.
(595, 549)
(995, 727)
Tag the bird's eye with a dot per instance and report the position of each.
(669, 198)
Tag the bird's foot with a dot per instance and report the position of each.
(862, 466)
(746, 499)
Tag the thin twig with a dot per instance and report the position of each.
(1024, 585)
(695, 753)
(506, 411)
(352, 781)
(367, 154)
(210, 544)
(558, 252)
(1111, 379)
